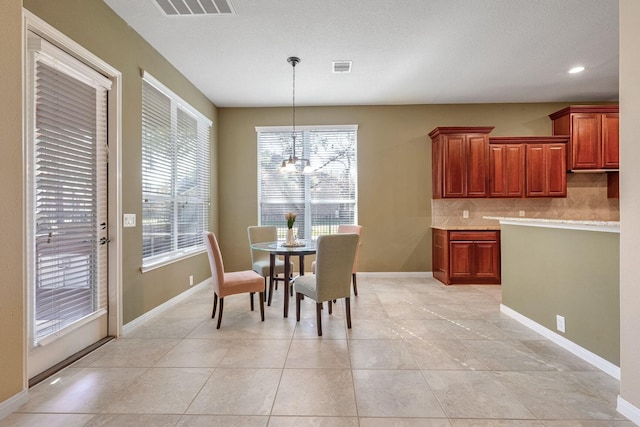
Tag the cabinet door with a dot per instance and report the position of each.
(506, 170)
(454, 166)
(585, 136)
(477, 146)
(610, 140)
(536, 178)
(460, 260)
(487, 260)
(556, 165)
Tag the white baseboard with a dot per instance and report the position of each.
(13, 403)
(628, 410)
(592, 358)
(164, 307)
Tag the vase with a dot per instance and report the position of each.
(290, 237)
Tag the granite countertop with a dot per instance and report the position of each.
(587, 225)
(467, 227)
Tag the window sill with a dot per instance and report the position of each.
(170, 260)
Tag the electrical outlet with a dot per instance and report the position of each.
(465, 214)
(560, 323)
(191, 280)
(521, 213)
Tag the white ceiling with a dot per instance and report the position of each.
(403, 51)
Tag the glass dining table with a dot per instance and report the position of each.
(279, 248)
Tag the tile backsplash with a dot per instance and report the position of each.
(586, 200)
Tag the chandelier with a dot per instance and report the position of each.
(291, 164)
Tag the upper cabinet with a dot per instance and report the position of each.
(527, 166)
(594, 135)
(460, 161)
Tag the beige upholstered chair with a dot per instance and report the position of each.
(355, 229)
(236, 282)
(260, 259)
(334, 263)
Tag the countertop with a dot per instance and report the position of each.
(569, 224)
(467, 227)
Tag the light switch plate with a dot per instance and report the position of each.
(129, 220)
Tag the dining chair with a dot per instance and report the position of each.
(260, 260)
(231, 283)
(354, 229)
(334, 263)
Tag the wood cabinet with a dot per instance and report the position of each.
(466, 257)
(594, 135)
(506, 170)
(546, 170)
(460, 161)
(527, 166)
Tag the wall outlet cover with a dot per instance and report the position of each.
(129, 220)
(560, 325)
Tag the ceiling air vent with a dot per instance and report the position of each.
(341, 66)
(195, 7)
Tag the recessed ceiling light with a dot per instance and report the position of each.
(577, 69)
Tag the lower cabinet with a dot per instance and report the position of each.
(466, 257)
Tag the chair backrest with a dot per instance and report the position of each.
(334, 262)
(259, 234)
(355, 229)
(215, 261)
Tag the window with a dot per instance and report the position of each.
(322, 200)
(175, 175)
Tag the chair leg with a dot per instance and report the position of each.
(265, 288)
(298, 294)
(347, 304)
(215, 304)
(271, 280)
(355, 286)
(330, 306)
(262, 296)
(318, 317)
(220, 313)
(251, 298)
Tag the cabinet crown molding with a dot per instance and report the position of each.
(460, 129)
(529, 139)
(585, 109)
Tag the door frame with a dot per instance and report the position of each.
(114, 182)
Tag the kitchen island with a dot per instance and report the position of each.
(563, 274)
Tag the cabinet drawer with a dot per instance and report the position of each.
(473, 235)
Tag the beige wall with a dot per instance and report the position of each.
(394, 170)
(630, 200)
(11, 240)
(571, 273)
(97, 28)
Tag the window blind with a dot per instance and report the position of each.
(68, 191)
(175, 175)
(322, 200)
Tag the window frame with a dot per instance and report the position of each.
(202, 166)
(303, 150)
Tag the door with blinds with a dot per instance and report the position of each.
(67, 205)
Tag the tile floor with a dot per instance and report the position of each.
(419, 354)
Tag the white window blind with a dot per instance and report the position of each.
(67, 186)
(175, 175)
(322, 200)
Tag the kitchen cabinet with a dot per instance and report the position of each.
(466, 256)
(506, 170)
(594, 135)
(527, 166)
(546, 170)
(460, 161)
